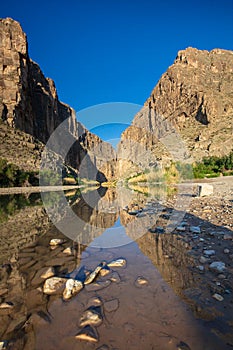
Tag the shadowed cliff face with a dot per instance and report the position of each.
(193, 99)
(29, 102)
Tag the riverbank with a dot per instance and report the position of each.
(37, 189)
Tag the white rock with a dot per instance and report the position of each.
(72, 287)
(141, 281)
(117, 263)
(217, 266)
(56, 241)
(205, 190)
(218, 297)
(54, 285)
(226, 251)
(88, 333)
(209, 252)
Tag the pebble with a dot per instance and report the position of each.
(68, 251)
(221, 276)
(226, 251)
(115, 277)
(56, 241)
(92, 316)
(103, 347)
(180, 228)
(72, 288)
(228, 236)
(94, 301)
(218, 297)
(141, 281)
(195, 229)
(200, 267)
(97, 286)
(111, 305)
(7, 305)
(49, 272)
(117, 263)
(3, 345)
(203, 260)
(183, 346)
(217, 266)
(88, 333)
(209, 252)
(90, 278)
(105, 271)
(54, 285)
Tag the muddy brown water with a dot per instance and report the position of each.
(151, 316)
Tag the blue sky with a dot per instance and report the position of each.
(101, 51)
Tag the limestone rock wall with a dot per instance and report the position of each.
(194, 100)
(29, 102)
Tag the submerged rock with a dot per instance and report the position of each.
(88, 333)
(92, 316)
(183, 346)
(90, 278)
(141, 281)
(94, 301)
(97, 286)
(117, 263)
(54, 285)
(115, 277)
(111, 305)
(72, 288)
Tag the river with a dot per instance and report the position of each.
(142, 308)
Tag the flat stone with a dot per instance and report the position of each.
(56, 241)
(92, 316)
(217, 266)
(54, 285)
(88, 333)
(97, 286)
(115, 277)
(105, 271)
(68, 251)
(195, 229)
(182, 346)
(90, 278)
(141, 281)
(94, 301)
(117, 263)
(180, 228)
(111, 305)
(6, 305)
(218, 297)
(228, 236)
(209, 252)
(48, 272)
(103, 347)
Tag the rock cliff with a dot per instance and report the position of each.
(29, 102)
(188, 114)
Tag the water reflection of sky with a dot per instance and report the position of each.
(112, 236)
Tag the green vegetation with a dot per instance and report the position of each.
(10, 204)
(214, 166)
(12, 176)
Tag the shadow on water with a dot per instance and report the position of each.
(115, 224)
